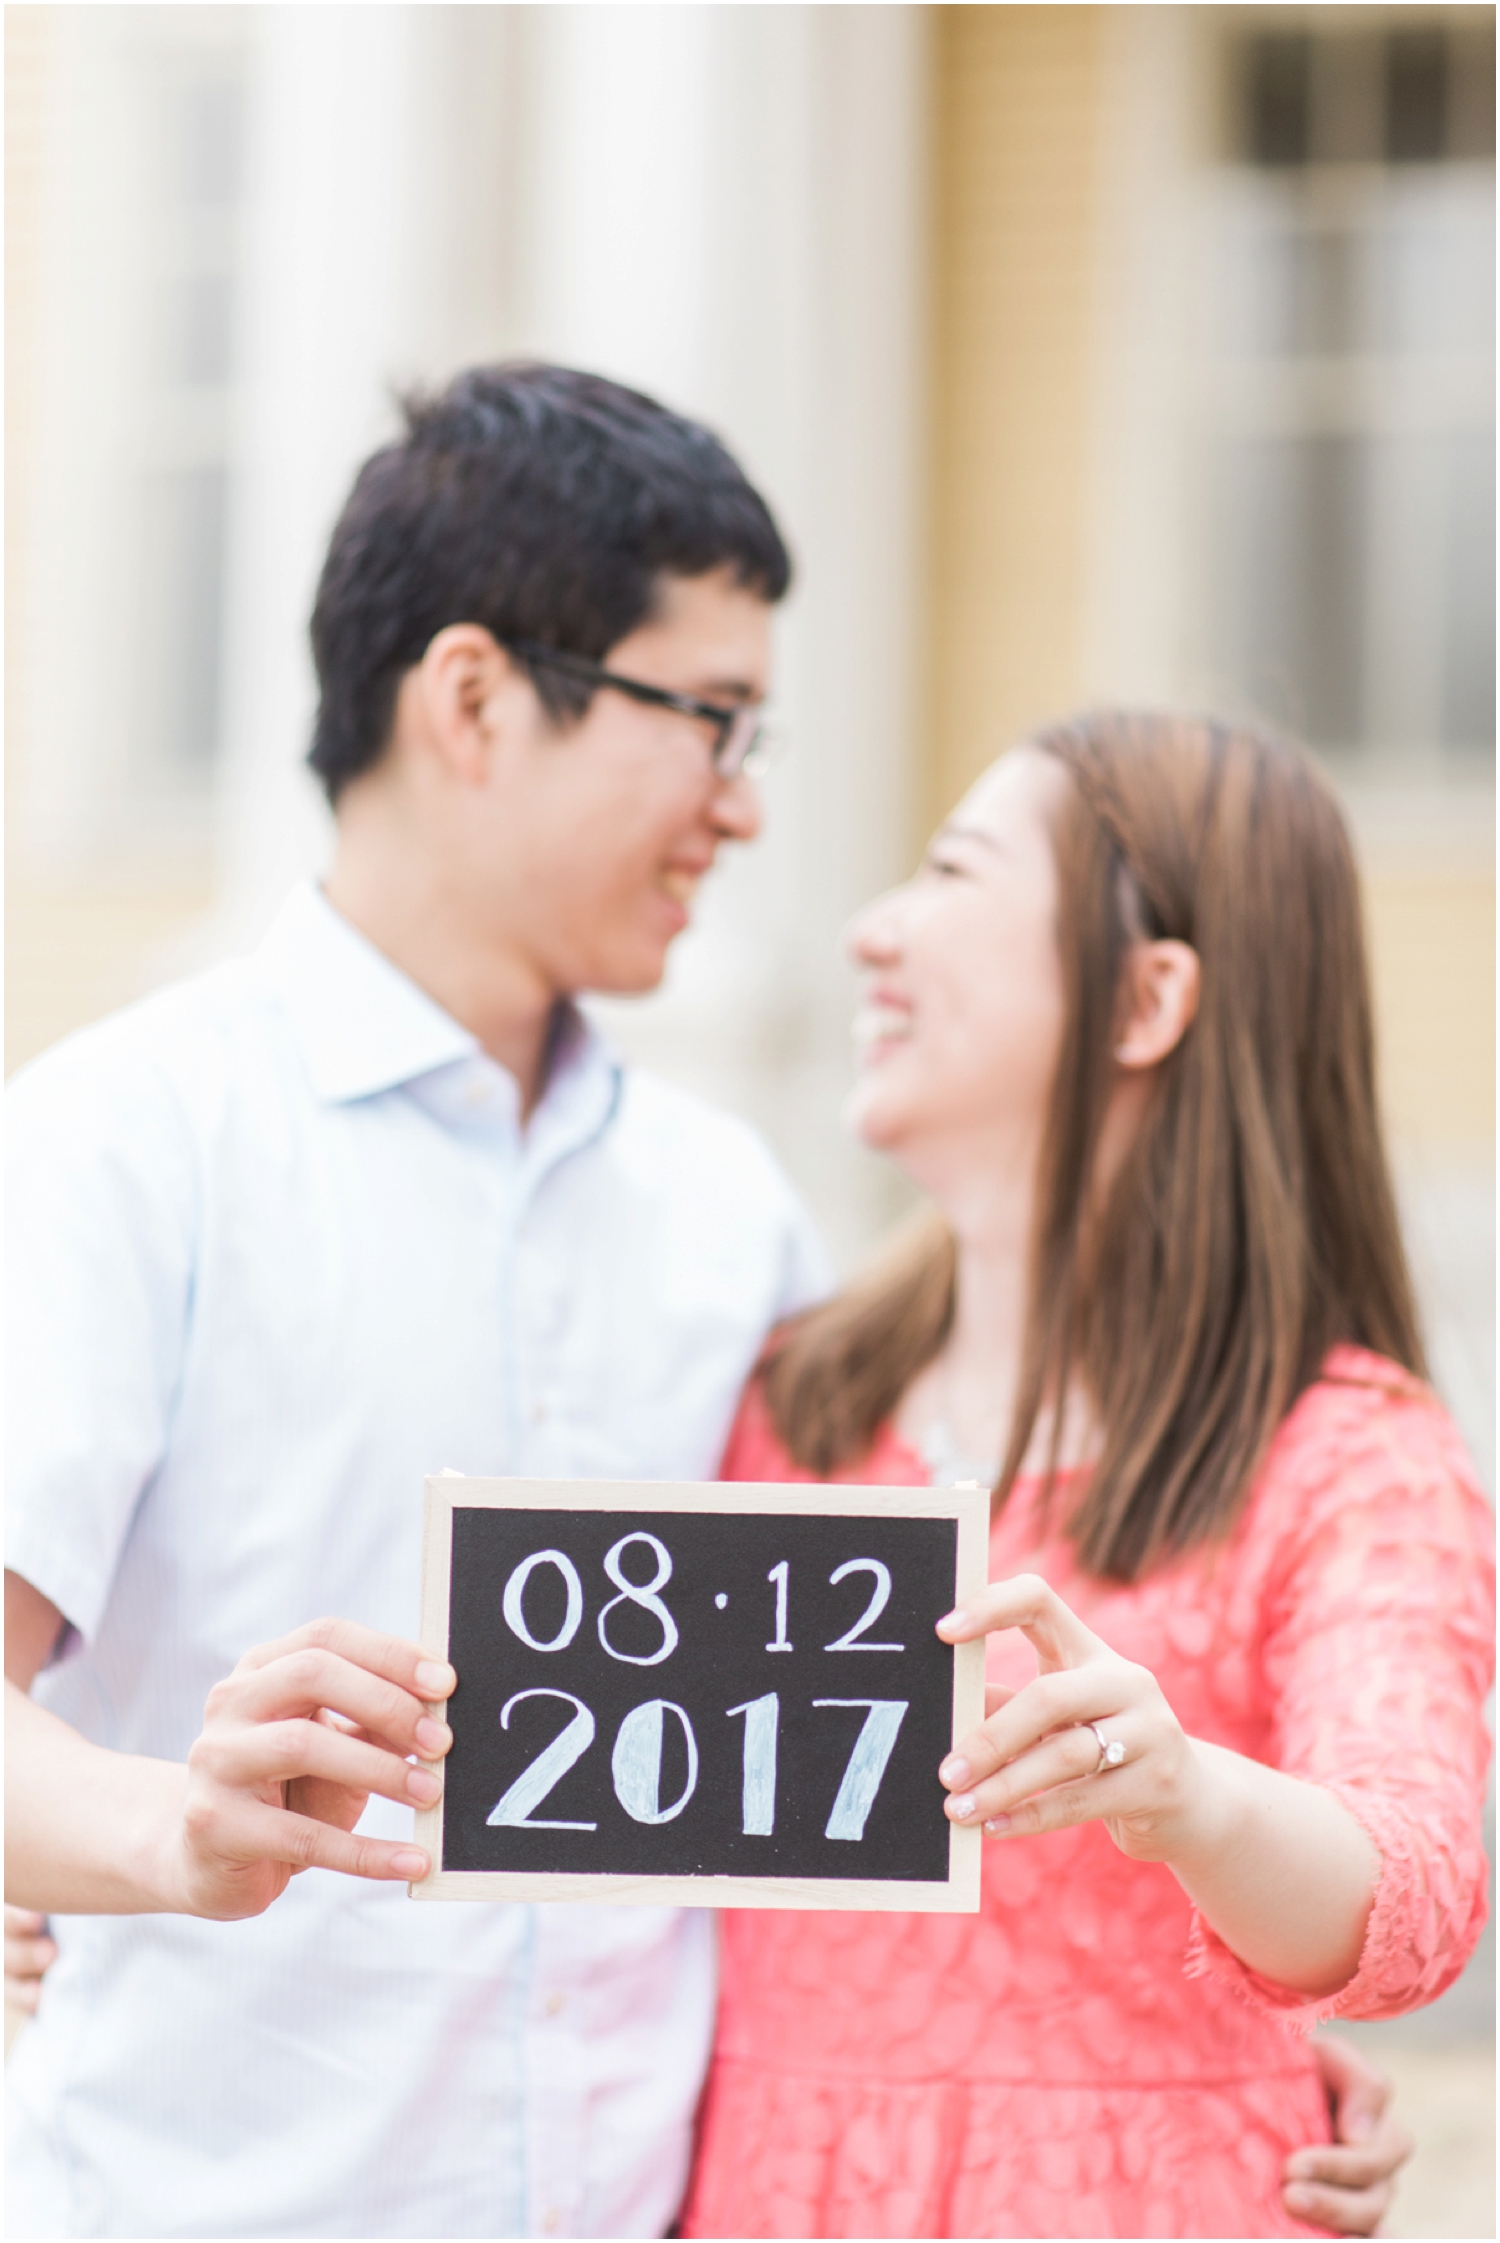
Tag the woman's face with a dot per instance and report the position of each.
(961, 1011)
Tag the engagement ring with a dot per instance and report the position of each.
(1111, 1751)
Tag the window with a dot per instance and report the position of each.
(1349, 485)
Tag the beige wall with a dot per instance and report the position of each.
(73, 954)
(1432, 945)
(1016, 142)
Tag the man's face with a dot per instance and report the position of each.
(596, 836)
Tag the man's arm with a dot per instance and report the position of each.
(292, 1745)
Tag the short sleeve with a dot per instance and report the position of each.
(99, 1254)
(1377, 1657)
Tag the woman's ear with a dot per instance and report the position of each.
(1159, 1001)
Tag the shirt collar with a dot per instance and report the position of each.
(364, 1027)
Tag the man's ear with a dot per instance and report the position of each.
(460, 687)
(1159, 1001)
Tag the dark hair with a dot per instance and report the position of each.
(543, 503)
(1252, 1224)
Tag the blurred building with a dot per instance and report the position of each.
(1086, 352)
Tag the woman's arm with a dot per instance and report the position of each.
(1280, 1869)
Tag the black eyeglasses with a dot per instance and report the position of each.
(744, 738)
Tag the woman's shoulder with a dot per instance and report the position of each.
(1369, 1436)
(756, 1451)
(1363, 1403)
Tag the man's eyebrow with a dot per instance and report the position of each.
(726, 689)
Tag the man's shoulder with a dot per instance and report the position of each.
(712, 1182)
(675, 1133)
(166, 1051)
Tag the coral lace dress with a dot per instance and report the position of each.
(1084, 2057)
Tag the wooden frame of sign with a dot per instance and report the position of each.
(532, 1582)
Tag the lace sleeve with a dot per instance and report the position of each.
(1376, 1658)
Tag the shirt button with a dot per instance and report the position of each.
(556, 2004)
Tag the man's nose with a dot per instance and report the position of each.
(737, 811)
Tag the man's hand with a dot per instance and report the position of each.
(293, 1743)
(29, 1955)
(1349, 2183)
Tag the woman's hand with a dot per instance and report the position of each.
(1278, 1866)
(1036, 1764)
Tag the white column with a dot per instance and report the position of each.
(720, 205)
(725, 206)
(357, 283)
(1138, 592)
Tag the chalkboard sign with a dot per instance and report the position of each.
(710, 1694)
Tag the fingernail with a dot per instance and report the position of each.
(962, 1807)
(997, 1826)
(423, 1785)
(408, 1863)
(1358, 2127)
(955, 1771)
(433, 1736)
(1297, 2198)
(434, 1679)
(1298, 2167)
(950, 1620)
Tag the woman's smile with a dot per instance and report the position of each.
(881, 1021)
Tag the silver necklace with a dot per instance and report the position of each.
(947, 1463)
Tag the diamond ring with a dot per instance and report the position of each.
(1111, 1751)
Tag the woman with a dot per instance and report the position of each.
(1239, 1616)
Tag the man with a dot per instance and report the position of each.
(286, 1238)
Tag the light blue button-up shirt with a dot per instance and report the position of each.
(279, 1247)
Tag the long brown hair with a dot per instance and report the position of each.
(1252, 1223)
